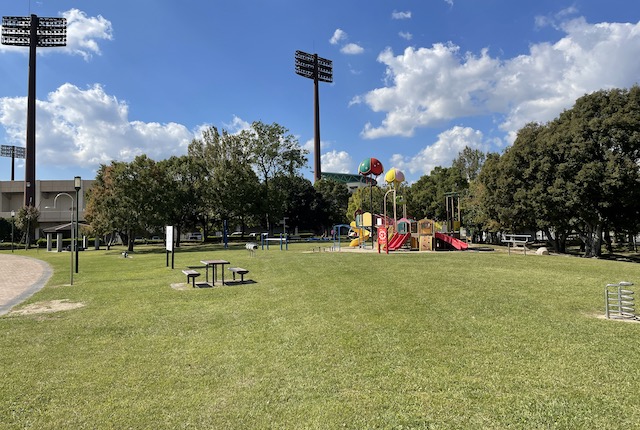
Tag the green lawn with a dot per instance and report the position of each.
(447, 340)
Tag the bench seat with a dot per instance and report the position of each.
(240, 271)
(191, 274)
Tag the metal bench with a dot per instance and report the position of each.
(191, 274)
(252, 246)
(240, 271)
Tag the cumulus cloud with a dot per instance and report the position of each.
(89, 127)
(83, 33)
(237, 125)
(428, 87)
(336, 162)
(401, 15)
(348, 48)
(405, 35)
(331, 161)
(352, 49)
(442, 152)
(338, 36)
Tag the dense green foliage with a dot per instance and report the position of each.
(249, 179)
(324, 340)
(579, 173)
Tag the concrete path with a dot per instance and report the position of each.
(20, 278)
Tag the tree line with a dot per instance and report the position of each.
(248, 179)
(575, 176)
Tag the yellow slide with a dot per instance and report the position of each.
(363, 235)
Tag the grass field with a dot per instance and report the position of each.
(450, 340)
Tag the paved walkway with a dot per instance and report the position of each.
(20, 278)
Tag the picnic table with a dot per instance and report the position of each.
(517, 241)
(213, 264)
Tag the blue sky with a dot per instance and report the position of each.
(415, 81)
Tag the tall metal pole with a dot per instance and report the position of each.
(77, 183)
(320, 70)
(13, 163)
(30, 165)
(13, 216)
(317, 174)
(33, 32)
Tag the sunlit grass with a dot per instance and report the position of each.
(324, 340)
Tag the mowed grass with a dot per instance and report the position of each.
(451, 340)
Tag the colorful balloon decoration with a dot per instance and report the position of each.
(394, 177)
(370, 166)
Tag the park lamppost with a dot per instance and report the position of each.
(77, 184)
(55, 201)
(320, 70)
(33, 32)
(13, 218)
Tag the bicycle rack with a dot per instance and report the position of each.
(619, 301)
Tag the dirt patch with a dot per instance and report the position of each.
(631, 320)
(47, 307)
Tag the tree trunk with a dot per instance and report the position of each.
(607, 241)
(592, 240)
(552, 240)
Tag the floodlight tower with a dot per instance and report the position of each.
(320, 70)
(33, 32)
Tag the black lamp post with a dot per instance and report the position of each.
(13, 216)
(77, 184)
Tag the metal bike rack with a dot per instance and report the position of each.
(619, 301)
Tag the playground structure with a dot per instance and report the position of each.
(395, 231)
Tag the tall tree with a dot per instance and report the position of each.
(230, 186)
(127, 198)
(579, 173)
(272, 151)
(335, 201)
(186, 192)
(469, 162)
(426, 197)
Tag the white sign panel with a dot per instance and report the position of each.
(169, 238)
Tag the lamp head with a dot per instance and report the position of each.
(77, 183)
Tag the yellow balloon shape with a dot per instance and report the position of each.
(394, 176)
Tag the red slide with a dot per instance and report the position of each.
(456, 243)
(397, 241)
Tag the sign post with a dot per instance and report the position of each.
(169, 245)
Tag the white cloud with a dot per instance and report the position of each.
(427, 87)
(337, 162)
(89, 127)
(352, 49)
(84, 32)
(442, 152)
(338, 36)
(83, 35)
(401, 15)
(449, 2)
(331, 161)
(237, 125)
(309, 145)
(405, 35)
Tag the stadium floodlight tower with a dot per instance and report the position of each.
(320, 70)
(33, 32)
